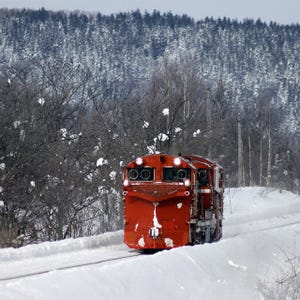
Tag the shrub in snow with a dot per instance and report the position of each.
(286, 285)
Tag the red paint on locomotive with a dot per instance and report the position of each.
(171, 201)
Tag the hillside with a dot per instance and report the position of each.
(248, 56)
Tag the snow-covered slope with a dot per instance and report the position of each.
(261, 230)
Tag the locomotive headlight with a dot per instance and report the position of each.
(139, 161)
(126, 182)
(177, 161)
(145, 174)
(187, 182)
(133, 174)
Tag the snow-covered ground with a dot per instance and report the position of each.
(261, 231)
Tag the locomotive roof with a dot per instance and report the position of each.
(200, 159)
(191, 159)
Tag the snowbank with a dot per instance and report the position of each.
(68, 245)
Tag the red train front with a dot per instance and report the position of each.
(171, 201)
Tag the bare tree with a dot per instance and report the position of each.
(269, 159)
(43, 149)
(241, 180)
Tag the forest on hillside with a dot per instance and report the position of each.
(81, 95)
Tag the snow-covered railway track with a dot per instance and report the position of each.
(257, 225)
(40, 266)
(77, 265)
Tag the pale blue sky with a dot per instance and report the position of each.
(280, 11)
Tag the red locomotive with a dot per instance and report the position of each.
(171, 201)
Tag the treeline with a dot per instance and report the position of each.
(125, 47)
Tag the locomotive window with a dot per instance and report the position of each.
(202, 177)
(176, 174)
(140, 174)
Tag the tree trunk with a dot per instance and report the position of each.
(250, 158)
(240, 153)
(209, 123)
(269, 148)
(260, 158)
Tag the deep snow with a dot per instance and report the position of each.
(261, 231)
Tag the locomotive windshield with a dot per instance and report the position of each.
(176, 174)
(202, 177)
(140, 174)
